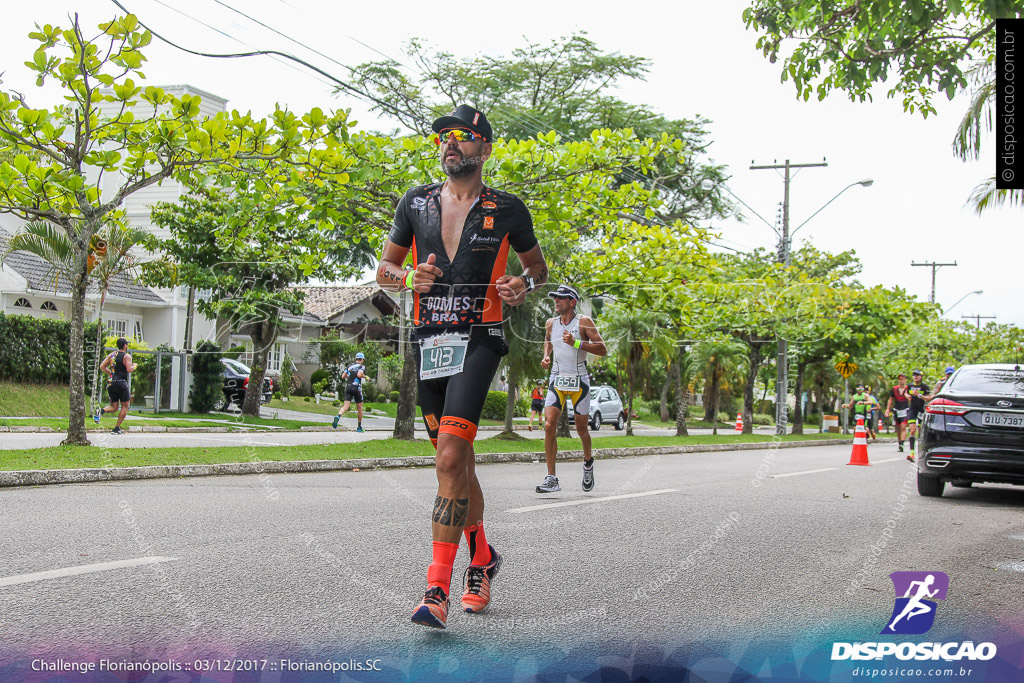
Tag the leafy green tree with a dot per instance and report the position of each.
(251, 236)
(112, 134)
(718, 358)
(921, 48)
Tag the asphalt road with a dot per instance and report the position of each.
(757, 558)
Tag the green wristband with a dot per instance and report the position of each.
(408, 279)
(577, 344)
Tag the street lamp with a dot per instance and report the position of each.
(977, 291)
(867, 182)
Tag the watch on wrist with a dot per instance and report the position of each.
(530, 283)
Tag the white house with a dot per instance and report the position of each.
(159, 315)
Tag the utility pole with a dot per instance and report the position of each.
(782, 359)
(978, 318)
(934, 266)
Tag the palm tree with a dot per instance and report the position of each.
(967, 143)
(719, 358)
(109, 257)
(631, 335)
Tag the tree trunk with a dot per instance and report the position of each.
(98, 355)
(563, 425)
(510, 403)
(673, 371)
(681, 394)
(629, 413)
(748, 391)
(713, 400)
(76, 352)
(263, 335)
(798, 411)
(709, 398)
(405, 415)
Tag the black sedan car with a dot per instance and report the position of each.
(973, 430)
(236, 380)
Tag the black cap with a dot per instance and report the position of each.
(565, 292)
(916, 372)
(465, 116)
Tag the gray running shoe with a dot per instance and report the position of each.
(550, 485)
(588, 477)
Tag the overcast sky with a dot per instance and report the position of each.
(704, 62)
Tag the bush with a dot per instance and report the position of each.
(307, 399)
(277, 395)
(37, 350)
(319, 387)
(319, 375)
(207, 377)
(287, 376)
(393, 397)
(234, 353)
(335, 403)
(494, 406)
(762, 419)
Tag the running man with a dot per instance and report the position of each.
(859, 404)
(920, 394)
(537, 405)
(353, 377)
(942, 382)
(568, 338)
(899, 399)
(871, 410)
(459, 232)
(914, 606)
(118, 366)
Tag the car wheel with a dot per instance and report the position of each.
(595, 421)
(620, 424)
(929, 486)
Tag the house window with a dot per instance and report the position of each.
(137, 332)
(48, 306)
(22, 303)
(276, 357)
(118, 328)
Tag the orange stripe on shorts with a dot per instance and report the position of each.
(464, 429)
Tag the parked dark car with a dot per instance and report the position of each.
(973, 430)
(236, 380)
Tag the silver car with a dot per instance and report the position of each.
(605, 408)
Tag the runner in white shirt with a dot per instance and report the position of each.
(569, 337)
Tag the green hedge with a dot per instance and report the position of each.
(494, 406)
(207, 377)
(36, 350)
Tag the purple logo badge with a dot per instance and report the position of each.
(916, 593)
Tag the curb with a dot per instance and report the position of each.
(257, 466)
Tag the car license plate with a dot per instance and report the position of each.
(442, 355)
(1003, 420)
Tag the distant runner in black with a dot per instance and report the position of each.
(920, 394)
(118, 366)
(353, 378)
(460, 233)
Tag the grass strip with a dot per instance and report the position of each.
(110, 455)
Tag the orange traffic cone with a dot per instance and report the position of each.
(739, 422)
(859, 456)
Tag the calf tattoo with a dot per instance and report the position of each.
(451, 512)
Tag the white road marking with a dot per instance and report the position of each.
(81, 569)
(1011, 566)
(585, 501)
(797, 474)
(1016, 537)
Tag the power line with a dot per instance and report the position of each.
(934, 266)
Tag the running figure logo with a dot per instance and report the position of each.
(916, 592)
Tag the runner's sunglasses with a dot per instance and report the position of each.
(461, 135)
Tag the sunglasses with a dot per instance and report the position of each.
(461, 135)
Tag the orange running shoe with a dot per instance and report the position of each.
(476, 594)
(433, 610)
